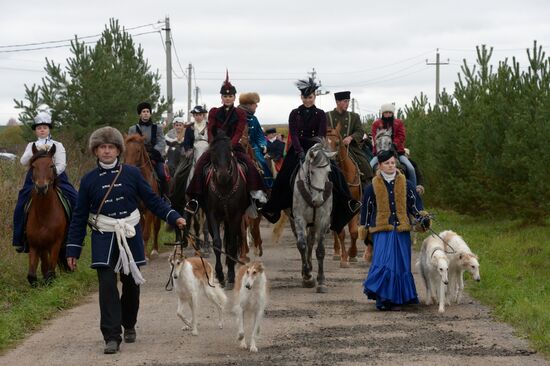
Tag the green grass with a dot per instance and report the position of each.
(515, 271)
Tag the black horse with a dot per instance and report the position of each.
(226, 202)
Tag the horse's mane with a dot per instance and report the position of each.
(135, 137)
(220, 143)
(38, 155)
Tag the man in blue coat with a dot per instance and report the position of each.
(108, 201)
(256, 138)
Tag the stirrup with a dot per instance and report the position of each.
(354, 209)
(192, 206)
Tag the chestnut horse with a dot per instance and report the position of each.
(135, 154)
(351, 174)
(47, 224)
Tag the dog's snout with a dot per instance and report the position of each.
(248, 286)
(446, 282)
(175, 276)
(478, 279)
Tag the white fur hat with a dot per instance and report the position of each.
(388, 107)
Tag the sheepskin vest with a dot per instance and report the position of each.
(383, 207)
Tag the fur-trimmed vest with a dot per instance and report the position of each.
(391, 202)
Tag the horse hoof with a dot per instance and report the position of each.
(33, 280)
(336, 257)
(344, 264)
(49, 278)
(322, 289)
(308, 283)
(230, 286)
(154, 254)
(353, 259)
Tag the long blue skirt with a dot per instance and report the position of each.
(390, 278)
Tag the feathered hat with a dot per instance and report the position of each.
(227, 88)
(42, 118)
(307, 87)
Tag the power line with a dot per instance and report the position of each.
(64, 45)
(70, 39)
(177, 57)
(370, 81)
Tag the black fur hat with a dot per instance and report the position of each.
(106, 135)
(144, 105)
(343, 95)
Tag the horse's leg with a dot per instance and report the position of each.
(217, 242)
(320, 254)
(206, 237)
(337, 249)
(300, 229)
(243, 243)
(52, 261)
(44, 263)
(344, 262)
(256, 236)
(353, 234)
(33, 264)
(156, 229)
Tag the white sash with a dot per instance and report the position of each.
(123, 228)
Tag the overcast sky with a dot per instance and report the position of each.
(378, 51)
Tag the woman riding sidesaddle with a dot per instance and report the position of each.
(306, 124)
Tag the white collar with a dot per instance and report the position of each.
(388, 177)
(108, 166)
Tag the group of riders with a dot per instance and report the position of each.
(269, 163)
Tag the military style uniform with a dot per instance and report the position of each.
(350, 125)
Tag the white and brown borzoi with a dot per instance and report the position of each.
(461, 259)
(433, 265)
(250, 299)
(190, 282)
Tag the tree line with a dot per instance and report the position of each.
(484, 148)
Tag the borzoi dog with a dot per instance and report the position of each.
(433, 265)
(250, 299)
(461, 259)
(190, 281)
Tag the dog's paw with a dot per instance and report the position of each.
(241, 336)
(428, 301)
(220, 325)
(195, 332)
(253, 349)
(243, 344)
(441, 310)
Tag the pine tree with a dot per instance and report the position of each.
(100, 85)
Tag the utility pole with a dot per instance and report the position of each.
(197, 95)
(353, 104)
(169, 71)
(189, 91)
(437, 63)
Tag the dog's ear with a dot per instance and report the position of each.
(260, 267)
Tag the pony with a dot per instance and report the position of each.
(351, 174)
(311, 207)
(136, 154)
(47, 225)
(226, 202)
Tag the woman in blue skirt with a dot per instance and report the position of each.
(388, 204)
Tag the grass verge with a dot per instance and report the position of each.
(515, 271)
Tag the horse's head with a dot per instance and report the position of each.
(134, 151)
(383, 139)
(317, 167)
(334, 139)
(43, 168)
(221, 158)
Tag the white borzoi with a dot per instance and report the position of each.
(433, 265)
(461, 259)
(190, 282)
(250, 299)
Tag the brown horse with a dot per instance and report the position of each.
(136, 154)
(47, 224)
(351, 174)
(249, 224)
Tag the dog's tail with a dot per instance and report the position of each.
(279, 227)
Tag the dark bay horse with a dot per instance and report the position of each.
(47, 223)
(226, 202)
(136, 154)
(350, 170)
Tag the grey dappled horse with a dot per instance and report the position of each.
(311, 208)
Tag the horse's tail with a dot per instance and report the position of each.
(279, 227)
